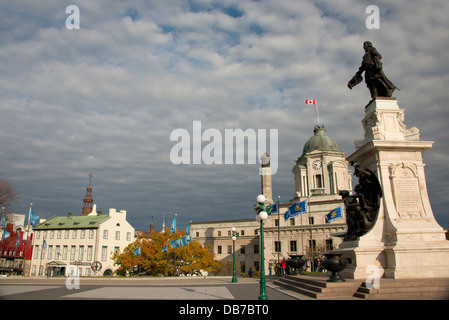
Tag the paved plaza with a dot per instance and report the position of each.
(209, 288)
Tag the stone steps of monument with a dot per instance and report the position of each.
(318, 287)
(406, 288)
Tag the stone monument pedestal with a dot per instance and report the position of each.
(405, 240)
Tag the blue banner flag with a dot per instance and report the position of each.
(3, 221)
(334, 214)
(164, 249)
(6, 234)
(33, 217)
(185, 241)
(44, 246)
(295, 210)
(174, 244)
(173, 226)
(137, 251)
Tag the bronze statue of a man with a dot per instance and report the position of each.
(375, 79)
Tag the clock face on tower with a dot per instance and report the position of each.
(316, 164)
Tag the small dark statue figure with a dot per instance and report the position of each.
(375, 79)
(363, 207)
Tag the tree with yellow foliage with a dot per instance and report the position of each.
(190, 259)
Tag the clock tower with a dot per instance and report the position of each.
(322, 168)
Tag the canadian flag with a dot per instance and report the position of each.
(311, 102)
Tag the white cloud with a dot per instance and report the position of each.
(105, 98)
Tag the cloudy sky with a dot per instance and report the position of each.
(106, 97)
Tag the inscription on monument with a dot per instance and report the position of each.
(407, 196)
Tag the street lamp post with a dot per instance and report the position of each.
(234, 237)
(263, 215)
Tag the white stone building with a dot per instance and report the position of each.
(80, 245)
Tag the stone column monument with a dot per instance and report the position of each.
(403, 240)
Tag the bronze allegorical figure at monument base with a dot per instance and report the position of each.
(362, 207)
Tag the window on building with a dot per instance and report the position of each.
(311, 220)
(72, 253)
(50, 252)
(89, 253)
(58, 235)
(128, 236)
(293, 246)
(117, 235)
(105, 234)
(318, 181)
(229, 249)
(242, 249)
(332, 183)
(57, 252)
(91, 233)
(74, 234)
(242, 232)
(82, 234)
(64, 252)
(329, 245)
(66, 234)
(292, 221)
(242, 267)
(276, 222)
(312, 244)
(219, 233)
(52, 234)
(256, 249)
(277, 246)
(197, 234)
(219, 250)
(81, 253)
(104, 253)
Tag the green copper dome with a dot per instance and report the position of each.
(320, 141)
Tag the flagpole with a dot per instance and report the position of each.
(29, 224)
(174, 251)
(3, 233)
(190, 257)
(40, 261)
(316, 105)
(311, 237)
(302, 237)
(279, 224)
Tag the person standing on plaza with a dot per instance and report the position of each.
(270, 266)
(283, 266)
